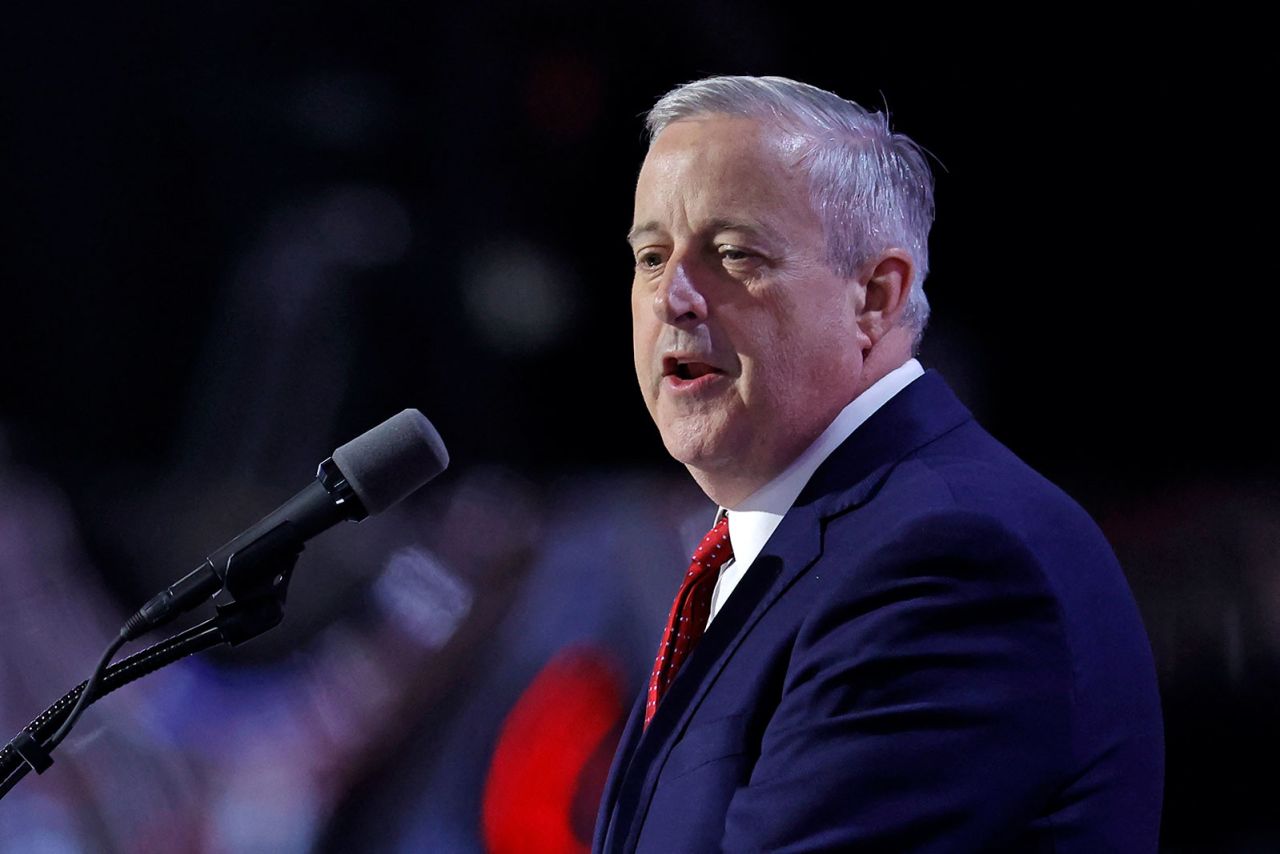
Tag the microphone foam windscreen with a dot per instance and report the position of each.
(392, 460)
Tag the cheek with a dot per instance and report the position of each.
(771, 365)
(783, 376)
(643, 342)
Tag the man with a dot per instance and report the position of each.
(912, 641)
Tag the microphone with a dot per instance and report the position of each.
(363, 477)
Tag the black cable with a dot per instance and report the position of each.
(86, 695)
(195, 639)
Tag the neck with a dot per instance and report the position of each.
(727, 490)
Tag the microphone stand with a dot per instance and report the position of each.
(250, 602)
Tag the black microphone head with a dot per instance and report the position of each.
(392, 460)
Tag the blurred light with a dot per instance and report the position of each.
(427, 600)
(266, 806)
(518, 298)
(550, 764)
(35, 824)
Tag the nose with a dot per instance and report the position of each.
(679, 299)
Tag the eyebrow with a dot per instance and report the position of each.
(714, 225)
(637, 230)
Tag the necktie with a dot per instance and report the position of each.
(689, 612)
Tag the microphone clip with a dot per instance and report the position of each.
(255, 583)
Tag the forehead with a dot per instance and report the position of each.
(723, 168)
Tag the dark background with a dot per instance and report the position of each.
(240, 233)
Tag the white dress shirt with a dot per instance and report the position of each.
(753, 521)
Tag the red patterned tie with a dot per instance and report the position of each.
(689, 612)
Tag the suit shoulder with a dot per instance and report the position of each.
(970, 473)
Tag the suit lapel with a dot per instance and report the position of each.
(915, 416)
(793, 547)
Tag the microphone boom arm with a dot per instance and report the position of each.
(250, 603)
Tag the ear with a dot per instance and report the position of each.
(888, 284)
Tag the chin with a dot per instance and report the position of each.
(697, 446)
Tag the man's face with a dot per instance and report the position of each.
(746, 343)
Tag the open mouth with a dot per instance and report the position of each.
(687, 370)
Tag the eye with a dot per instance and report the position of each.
(648, 259)
(736, 255)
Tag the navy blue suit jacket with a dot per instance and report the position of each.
(936, 651)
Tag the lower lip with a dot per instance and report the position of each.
(675, 385)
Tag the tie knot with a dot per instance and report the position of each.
(714, 549)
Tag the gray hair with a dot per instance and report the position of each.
(870, 186)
